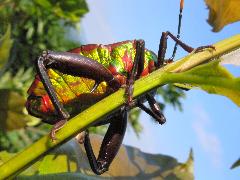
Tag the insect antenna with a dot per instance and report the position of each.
(179, 28)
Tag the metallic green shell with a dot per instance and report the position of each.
(74, 92)
(119, 55)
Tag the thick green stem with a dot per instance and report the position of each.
(93, 114)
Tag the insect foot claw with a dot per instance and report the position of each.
(81, 137)
(95, 86)
(102, 167)
(202, 48)
(161, 120)
(53, 136)
(55, 128)
(129, 105)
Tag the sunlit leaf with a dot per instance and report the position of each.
(227, 85)
(12, 107)
(71, 10)
(5, 46)
(44, 3)
(19, 82)
(222, 13)
(36, 27)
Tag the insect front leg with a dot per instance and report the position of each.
(72, 64)
(62, 113)
(110, 145)
(136, 71)
(163, 47)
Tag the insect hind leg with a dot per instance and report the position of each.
(110, 144)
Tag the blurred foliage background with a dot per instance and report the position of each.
(26, 29)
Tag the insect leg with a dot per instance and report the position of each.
(163, 47)
(42, 71)
(154, 110)
(139, 62)
(56, 127)
(78, 65)
(110, 145)
(95, 86)
(63, 114)
(137, 69)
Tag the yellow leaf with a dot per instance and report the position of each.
(223, 12)
(12, 107)
(5, 46)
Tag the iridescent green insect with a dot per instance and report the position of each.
(78, 92)
(68, 82)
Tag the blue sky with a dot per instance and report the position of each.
(209, 123)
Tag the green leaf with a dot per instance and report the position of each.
(44, 3)
(12, 107)
(171, 95)
(71, 10)
(133, 119)
(220, 81)
(35, 27)
(20, 82)
(5, 46)
(63, 159)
